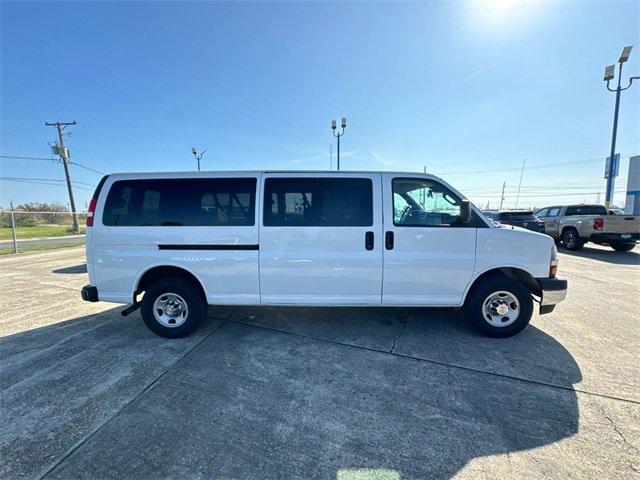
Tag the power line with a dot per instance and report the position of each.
(546, 194)
(532, 189)
(47, 180)
(86, 168)
(531, 167)
(15, 157)
(542, 154)
(41, 182)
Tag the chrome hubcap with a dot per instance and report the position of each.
(170, 310)
(501, 309)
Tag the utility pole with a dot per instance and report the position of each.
(13, 228)
(609, 73)
(502, 196)
(520, 182)
(343, 124)
(63, 153)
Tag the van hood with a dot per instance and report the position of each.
(519, 231)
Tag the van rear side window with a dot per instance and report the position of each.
(321, 202)
(189, 202)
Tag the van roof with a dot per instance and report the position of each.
(230, 173)
(258, 172)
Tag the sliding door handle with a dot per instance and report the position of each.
(368, 240)
(388, 240)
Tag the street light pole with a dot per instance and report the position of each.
(338, 135)
(609, 74)
(197, 156)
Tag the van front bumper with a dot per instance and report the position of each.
(552, 292)
(90, 293)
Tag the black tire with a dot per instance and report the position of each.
(623, 247)
(571, 240)
(183, 291)
(474, 306)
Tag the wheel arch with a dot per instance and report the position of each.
(156, 272)
(517, 273)
(566, 228)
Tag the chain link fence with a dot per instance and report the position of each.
(39, 230)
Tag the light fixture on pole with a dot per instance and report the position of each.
(337, 134)
(197, 155)
(609, 74)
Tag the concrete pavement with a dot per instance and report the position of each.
(318, 393)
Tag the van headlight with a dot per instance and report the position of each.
(553, 265)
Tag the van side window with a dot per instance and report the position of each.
(419, 202)
(345, 202)
(323, 202)
(188, 202)
(289, 202)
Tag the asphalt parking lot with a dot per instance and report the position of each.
(318, 393)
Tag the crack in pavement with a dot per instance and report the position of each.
(49, 469)
(404, 321)
(617, 430)
(445, 364)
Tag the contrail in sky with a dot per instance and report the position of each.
(474, 74)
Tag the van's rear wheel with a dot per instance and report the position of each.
(173, 308)
(499, 307)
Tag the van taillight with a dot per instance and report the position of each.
(91, 211)
(598, 223)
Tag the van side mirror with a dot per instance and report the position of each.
(465, 211)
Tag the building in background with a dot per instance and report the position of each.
(632, 204)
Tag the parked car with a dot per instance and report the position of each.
(616, 211)
(188, 240)
(574, 225)
(517, 218)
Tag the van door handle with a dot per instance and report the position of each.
(388, 240)
(368, 240)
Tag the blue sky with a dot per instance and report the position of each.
(468, 89)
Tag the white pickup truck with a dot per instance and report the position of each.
(188, 240)
(574, 225)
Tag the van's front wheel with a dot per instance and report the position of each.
(499, 307)
(172, 308)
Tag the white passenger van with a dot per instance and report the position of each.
(188, 240)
